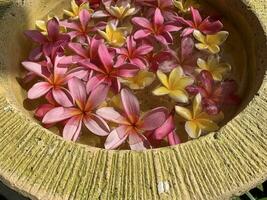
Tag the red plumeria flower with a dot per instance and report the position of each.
(54, 79)
(108, 72)
(207, 26)
(160, 31)
(50, 45)
(81, 112)
(81, 29)
(131, 124)
(133, 54)
(214, 94)
(93, 3)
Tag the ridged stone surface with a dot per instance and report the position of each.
(43, 166)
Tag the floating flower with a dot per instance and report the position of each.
(214, 94)
(140, 81)
(210, 42)
(160, 31)
(133, 54)
(76, 9)
(51, 44)
(107, 72)
(53, 81)
(93, 3)
(184, 5)
(207, 26)
(81, 112)
(175, 85)
(131, 124)
(119, 11)
(213, 65)
(114, 36)
(82, 27)
(197, 121)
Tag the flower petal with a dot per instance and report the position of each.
(130, 104)
(140, 34)
(173, 139)
(154, 119)
(197, 107)
(116, 137)
(207, 125)
(144, 49)
(84, 17)
(179, 96)
(59, 114)
(38, 90)
(105, 57)
(163, 78)
(183, 112)
(41, 111)
(161, 91)
(110, 114)
(192, 129)
(142, 22)
(218, 38)
(78, 49)
(62, 97)
(36, 36)
(158, 19)
(96, 125)
(53, 29)
(165, 129)
(94, 82)
(35, 68)
(97, 96)
(72, 129)
(78, 91)
(137, 142)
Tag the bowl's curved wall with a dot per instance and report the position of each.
(43, 166)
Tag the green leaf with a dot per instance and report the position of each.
(260, 187)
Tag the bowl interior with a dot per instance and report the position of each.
(239, 50)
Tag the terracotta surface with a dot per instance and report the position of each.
(41, 165)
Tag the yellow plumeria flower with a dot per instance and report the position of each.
(213, 65)
(140, 81)
(210, 42)
(184, 5)
(75, 9)
(197, 121)
(113, 35)
(175, 85)
(121, 12)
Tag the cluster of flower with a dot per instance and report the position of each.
(87, 66)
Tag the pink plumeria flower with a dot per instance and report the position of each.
(93, 3)
(131, 124)
(207, 26)
(80, 29)
(81, 112)
(214, 94)
(51, 44)
(157, 29)
(134, 54)
(54, 79)
(106, 70)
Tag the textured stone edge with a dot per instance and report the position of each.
(42, 166)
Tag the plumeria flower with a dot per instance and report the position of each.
(51, 44)
(81, 112)
(80, 29)
(131, 124)
(214, 66)
(214, 94)
(206, 26)
(76, 9)
(134, 54)
(184, 5)
(41, 25)
(108, 72)
(83, 53)
(175, 85)
(140, 81)
(210, 43)
(197, 122)
(160, 31)
(120, 11)
(166, 8)
(54, 80)
(113, 35)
